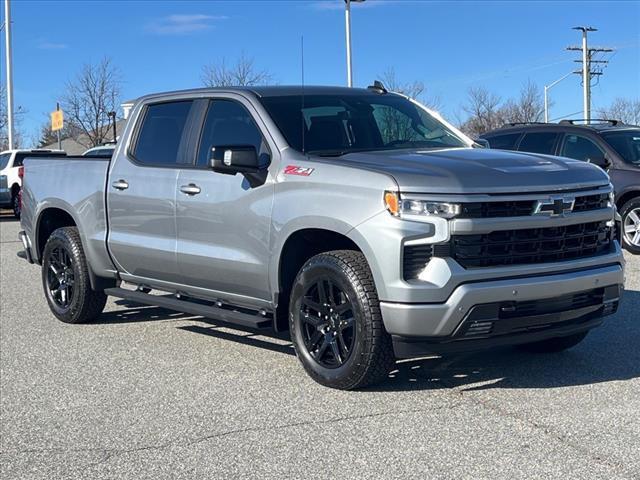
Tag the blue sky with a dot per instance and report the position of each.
(449, 46)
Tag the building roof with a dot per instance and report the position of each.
(78, 146)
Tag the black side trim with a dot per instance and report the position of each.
(228, 314)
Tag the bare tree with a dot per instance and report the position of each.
(415, 90)
(486, 111)
(89, 98)
(626, 110)
(483, 110)
(529, 107)
(242, 73)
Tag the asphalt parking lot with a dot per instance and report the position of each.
(148, 393)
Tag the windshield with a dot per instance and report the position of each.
(626, 143)
(340, 124)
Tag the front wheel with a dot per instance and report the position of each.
(65, 278)
(554, 345)
(335, 322)
(630, 213)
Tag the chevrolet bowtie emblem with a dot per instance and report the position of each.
(554, 206)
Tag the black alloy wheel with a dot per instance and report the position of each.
(60, 277)
(328, 323)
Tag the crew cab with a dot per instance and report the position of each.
(356, 219)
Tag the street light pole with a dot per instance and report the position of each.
(347, 25)
(546, 95)
(7, 32)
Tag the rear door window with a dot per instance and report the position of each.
(161, 133)
(504, 142)
(538, 142)
(581, 148)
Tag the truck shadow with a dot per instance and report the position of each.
(135, 312)
(610, 353)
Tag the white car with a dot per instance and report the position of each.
(103, 151)
(10, 176)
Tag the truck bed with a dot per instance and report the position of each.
(77, 185)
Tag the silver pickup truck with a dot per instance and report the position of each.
(357, 219)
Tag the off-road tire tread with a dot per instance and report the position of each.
(377, 359)
(91, 302)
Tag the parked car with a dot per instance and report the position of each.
(609, 144)
(103, 151)
(357, 219)
(10, 180)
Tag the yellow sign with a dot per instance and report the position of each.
(57, 120)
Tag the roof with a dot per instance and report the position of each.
(599, 127)
(77, 147)
(268, 91)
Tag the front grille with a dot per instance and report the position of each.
(591, 202)
(525, 208)
(415, 258)
(519, 208)
(532, 245)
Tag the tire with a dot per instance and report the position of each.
(341, 342)
(630, 213)
(554, 345)
(65, 279)
(15, 204)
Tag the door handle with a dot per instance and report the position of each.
(191, 189)
(120, 184)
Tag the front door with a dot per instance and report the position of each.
(142, 195)
(224, 221)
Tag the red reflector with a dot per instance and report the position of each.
(21, 172)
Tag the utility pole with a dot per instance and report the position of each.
(347, 25)
(587, 72)
(7, 32)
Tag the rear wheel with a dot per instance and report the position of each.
(336, 324)
(553, 345)
(65, 278)
(630, 213)
(15, 203)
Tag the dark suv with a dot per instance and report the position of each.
(609, 144)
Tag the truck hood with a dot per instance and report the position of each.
(476, 170)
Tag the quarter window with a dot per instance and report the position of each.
(542, 142)
(161, 133)
(504, 142)
(228, 124)
(581, 148)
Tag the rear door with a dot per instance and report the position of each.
(224, 220)
(142, 193)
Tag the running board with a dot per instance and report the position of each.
(196, 307)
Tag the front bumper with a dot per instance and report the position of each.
(441, 323)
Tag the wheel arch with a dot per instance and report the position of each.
(626, 196)
(299, 246)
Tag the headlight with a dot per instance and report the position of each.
(418, 209)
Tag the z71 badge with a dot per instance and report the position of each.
(295, 170)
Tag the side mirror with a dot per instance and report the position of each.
(234, 159)
(603, 162)
(482, 143)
